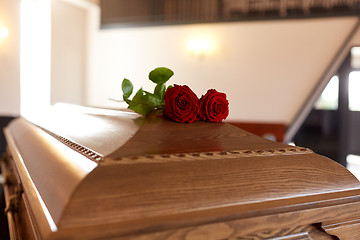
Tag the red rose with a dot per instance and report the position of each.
(181, 104)
(214, 107)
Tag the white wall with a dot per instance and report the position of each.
(68, 52)
(267, 69)
(10, 58)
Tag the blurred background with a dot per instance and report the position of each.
(290, 68)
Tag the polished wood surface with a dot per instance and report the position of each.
(273, 131)
(345, 230)
(164, 137)
(11, 181)
(176, 181)
(101, 130)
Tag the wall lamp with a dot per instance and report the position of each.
(200, 47)
(3, 33)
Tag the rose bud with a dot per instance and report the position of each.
(214, 107)
(181, 104)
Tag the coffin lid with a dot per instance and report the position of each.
(98, 169)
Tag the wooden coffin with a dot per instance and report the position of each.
(101, 174)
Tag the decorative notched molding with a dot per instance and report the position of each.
(76, 147)
(158, 158)
(209, 155)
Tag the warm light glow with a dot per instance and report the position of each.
(354, 86)
(353, 165)
(355, 57)
(329, 97)
(355, 50)
(35, 65)
(3, 32)
(200, 46)
(34, 55)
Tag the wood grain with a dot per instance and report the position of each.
(28, 146)
(28, 186)
(263, 129)
(9, 191)
(28, 228)
(249, 188)
(157, 136)
(289, 225)
(318, 233)
(346, 230)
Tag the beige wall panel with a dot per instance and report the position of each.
(266, 68)
(68, 52)
(10, 58)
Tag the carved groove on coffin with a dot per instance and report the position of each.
(348, 229)
(209, 155)
(177, 156)
(77, 147)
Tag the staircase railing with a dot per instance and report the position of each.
(159, 12)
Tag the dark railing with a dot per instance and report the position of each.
(240, 9)
(150, 12)
(158, 12)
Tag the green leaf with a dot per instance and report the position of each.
(160, 90)
(160, 75)
(152, 99)
(139, 97)
(127, 88)
(136, 103)
(141, 108)
(170, 86)
(144, 102)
